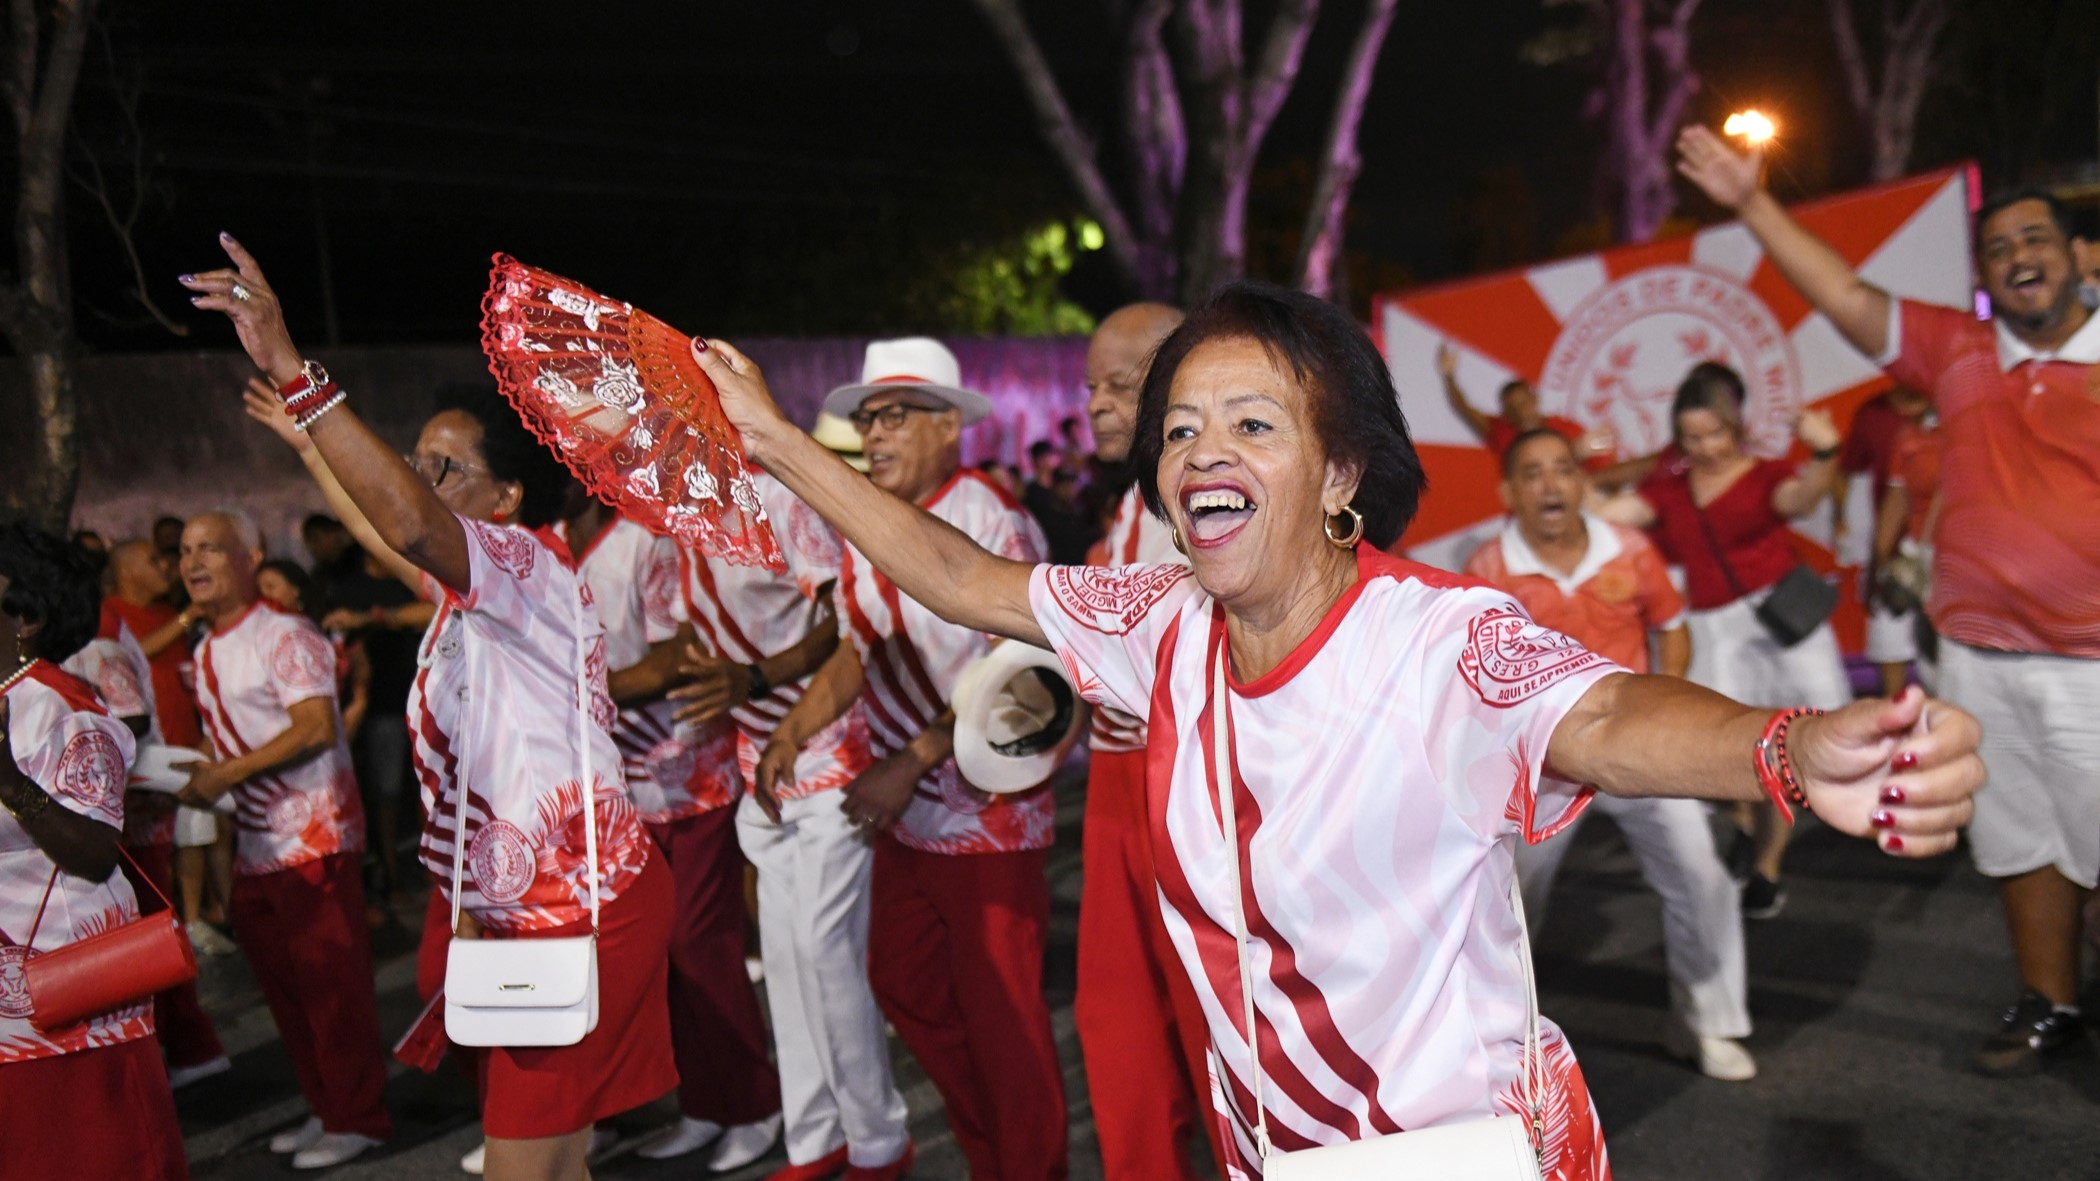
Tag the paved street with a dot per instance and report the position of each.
(1868, 992)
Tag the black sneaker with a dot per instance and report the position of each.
(1762, 898)
(2033, 1029)
(1741, 858)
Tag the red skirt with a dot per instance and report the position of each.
(533, 1092)
(93, 1115)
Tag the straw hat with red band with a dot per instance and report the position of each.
(914, 363)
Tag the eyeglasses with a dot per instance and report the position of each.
(892, 417)
(436, 469)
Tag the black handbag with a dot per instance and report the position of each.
(1797, 604)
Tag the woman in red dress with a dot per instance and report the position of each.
(516, 650)
(90, 1100)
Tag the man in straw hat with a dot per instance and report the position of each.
(961, 906)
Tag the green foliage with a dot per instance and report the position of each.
(1010, 286)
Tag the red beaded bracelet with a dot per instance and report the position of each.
(1775, 770)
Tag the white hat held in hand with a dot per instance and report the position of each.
(1016, 716)
(911, 362)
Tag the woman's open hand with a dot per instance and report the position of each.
(245, 296)
(1901, 772)
(1722, 173)
(262, 404)
(746, 400)
(1817, 430)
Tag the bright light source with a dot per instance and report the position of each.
(1090, 235)
(1751, 125)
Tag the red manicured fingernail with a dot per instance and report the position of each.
(1883, 819)
(1892, 794)
(1904, 761)
(699, 344)
(1892, 842)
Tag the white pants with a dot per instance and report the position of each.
(2041, 749)
(835, 1084)
(1702, 911)
(1734, 655)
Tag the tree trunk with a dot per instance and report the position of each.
(1320, 243)
(1909, 66)
(1643, 110)
(37, 311)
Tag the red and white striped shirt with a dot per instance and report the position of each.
(494, 717)
(1135, 537)
(744, 614)
(249, 674)
(673, 771)
(913, 659)
(65, 743)
(1382, 771)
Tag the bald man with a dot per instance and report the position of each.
(1141, 1030)
(266, 686)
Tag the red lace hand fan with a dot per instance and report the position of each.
(616, 392)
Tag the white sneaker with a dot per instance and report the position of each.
(603, 1137)
(744, 1143)
(1721, 1058)
(207, 941)
(304, 1136)
(332, 1149)
(476, 1160)
(182, 1076)
(687, 1135)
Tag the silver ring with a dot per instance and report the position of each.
(241, 293)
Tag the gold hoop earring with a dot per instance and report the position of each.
(1356, 528)
(1174, 532)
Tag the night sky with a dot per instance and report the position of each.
(779, 167)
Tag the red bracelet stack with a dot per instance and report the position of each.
(309, 396)
(1775, 771)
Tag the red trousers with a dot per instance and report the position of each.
(955, 955)
(303, 931)
(718, 1035)
(187, 1036)
(1141, 1029)
(96, 1115)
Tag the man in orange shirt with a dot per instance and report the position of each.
(2016, 549)
(1607, 587)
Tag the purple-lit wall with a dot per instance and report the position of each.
(164, 433)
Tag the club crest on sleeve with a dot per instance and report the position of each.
(14, 983)
(1508, 658)
(91, 769)
(1111, 599)
(509, 549)
(302, 659)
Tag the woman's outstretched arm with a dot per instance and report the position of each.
(929, 559)
(404, 512)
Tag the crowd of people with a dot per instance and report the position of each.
(1325, 784)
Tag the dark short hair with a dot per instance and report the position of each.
(2004, 199)
(1355, 410)
(1040, 448)
(1514, 383)
(309, 588)
(1710, 386)
(1509, 453)
(315, 522)
(50, 582)
(510, 452)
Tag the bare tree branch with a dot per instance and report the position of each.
(1157, 141)
(1276, 67)
(1844, 34)
(1319, 243)
(1074, 149)
(124, 223)
(21, 66)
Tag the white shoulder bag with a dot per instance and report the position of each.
(526, 992)
(1495, 1148)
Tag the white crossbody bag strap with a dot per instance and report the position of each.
(1222, 769)
(583, 778)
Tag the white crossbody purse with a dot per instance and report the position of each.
(1495, 1148)
(527, 992)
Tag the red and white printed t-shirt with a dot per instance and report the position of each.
(673, 771)
(1383, 769)
(1135, 537)
(115, 664)
(744, 614)
(2016, 550)
(1617, 594)
(913, 660)
(64, 742)
(494, 708)
(249, 674)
